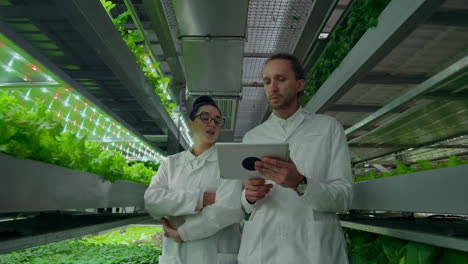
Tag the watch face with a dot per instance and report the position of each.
(301, 188)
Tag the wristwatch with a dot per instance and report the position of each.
(301, 188)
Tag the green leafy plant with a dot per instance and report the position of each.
(34, 134)
(108, 5)
(134, 39)
(131, 235)
(401, 169)
(134, 244)
(67, 252)
(370, 248)
(138, 173)
(450, 256)
(362, 16)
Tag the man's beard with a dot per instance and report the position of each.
(285, 104)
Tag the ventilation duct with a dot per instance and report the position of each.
(212, 34)
(229, 109)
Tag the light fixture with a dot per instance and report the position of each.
(323, 35)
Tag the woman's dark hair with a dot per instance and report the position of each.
(199, 102)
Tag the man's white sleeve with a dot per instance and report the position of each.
(248, 208)
(160, 201)
(224, 212)
(335, 193)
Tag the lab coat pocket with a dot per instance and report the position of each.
(164, 259)
(327, 242)
(251, 243)
(290, 245)
(226, 258)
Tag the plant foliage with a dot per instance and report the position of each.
(132, 235)
(134, 244)
(35, 134)
(362, 16)
(403, 169)
(370, 248)
(134, 39)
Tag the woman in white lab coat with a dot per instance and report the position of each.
(200, 211)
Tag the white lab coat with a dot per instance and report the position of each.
(285, 227)
(210, 234)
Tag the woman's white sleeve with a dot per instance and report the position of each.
(160, 201)
(224, 212)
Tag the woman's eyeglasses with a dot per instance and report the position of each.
(205, 117)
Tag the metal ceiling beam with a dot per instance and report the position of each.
(355, 145)
(159, 25)
(257, 55)
(32, 51)
(316, 49)
(145, 25)
(95, 74)
(315, 53)
(354, 108)
(456, 18)
(157, 138)
(107, 92)
(124, 106)
(369, 128)
(451, 72)
(393, 79)
(61, 61)
(316, 21)
(34, 11)
(32, 85)
(446, 96)
(90, 19)
(55, 39)
(252, 84)
(464, 133)
(396, 22)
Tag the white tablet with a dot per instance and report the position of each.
(236, 160)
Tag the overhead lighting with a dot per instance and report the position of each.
(323, 35)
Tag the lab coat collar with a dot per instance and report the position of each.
(297, 116)
(208, 155)
(289, 125)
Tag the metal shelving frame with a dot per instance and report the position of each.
(441, 191)
(18, 243)
(397, 20)
(91, 20)
(29, 185)
(438, 191)
(411, 230)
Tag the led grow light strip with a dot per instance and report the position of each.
(68, 101)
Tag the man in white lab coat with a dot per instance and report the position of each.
(293, 214)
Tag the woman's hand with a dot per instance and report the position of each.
(170, 232)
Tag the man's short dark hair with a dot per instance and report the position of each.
(296, 66)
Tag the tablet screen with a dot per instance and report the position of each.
(236, 160)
